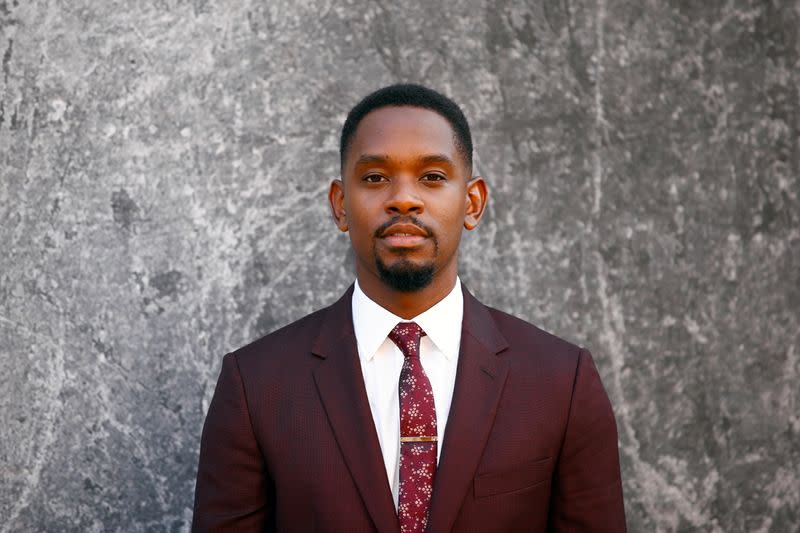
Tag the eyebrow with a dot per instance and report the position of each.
(426, 159)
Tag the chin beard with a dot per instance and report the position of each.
(405, 276)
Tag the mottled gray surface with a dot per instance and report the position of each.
(163, 170)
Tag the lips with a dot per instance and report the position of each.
(404, 236)
(404, 229)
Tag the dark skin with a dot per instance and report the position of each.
(404, 196)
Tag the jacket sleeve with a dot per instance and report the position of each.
(587, 487)
(233, 486)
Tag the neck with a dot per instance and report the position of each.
(407, 305)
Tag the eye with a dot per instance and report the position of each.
(373, 178)
(432, 176)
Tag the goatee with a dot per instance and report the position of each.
(405, 276)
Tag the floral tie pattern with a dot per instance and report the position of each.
(418, 444)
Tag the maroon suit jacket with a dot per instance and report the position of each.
(289, 443)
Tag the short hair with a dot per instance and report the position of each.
(409, 94)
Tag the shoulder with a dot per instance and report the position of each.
(552, 369)
(284, 344)
(531, 346)
(523, 332)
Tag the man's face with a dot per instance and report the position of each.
(404, 197)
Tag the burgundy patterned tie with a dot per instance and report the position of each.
(417, 432)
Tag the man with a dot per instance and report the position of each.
(408, 405)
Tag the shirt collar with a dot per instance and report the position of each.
(441, 323)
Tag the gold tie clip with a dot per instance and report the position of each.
(419, 439)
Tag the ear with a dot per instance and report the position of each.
(336, 199)
(477, 197)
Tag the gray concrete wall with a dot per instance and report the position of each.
(163, 170)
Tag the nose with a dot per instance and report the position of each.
(404, 198)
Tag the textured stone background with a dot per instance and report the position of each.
(163, 172)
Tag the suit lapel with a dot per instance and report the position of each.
(341, 387)
(480, 378)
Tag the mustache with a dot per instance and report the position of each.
(402, 220)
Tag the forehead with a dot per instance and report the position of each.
(402, 129)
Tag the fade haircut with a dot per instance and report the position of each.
(407, 94)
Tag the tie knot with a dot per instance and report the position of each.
(406, 336)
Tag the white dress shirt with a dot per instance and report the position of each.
(382, 361)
